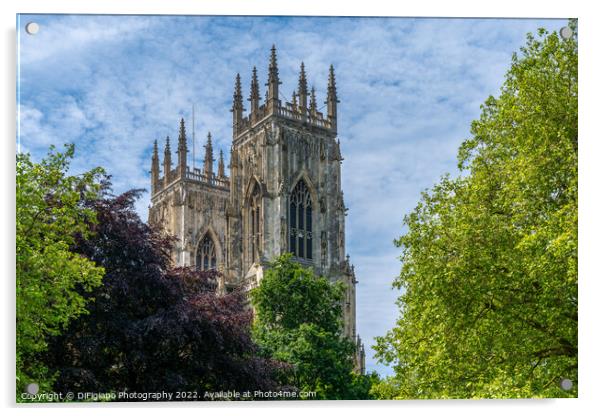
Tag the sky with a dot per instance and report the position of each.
(409, 89)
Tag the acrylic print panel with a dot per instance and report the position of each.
(308, 208)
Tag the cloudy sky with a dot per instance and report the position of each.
(409, 89)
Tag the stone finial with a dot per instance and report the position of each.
(208, 162)
(332, 100)
(254, 96)
(313, 106)
(302, 90)
(182, 136)
(232, 163)
(332, 85)
(237, 108)
(167, 161)
(302, 80)
(294, 103)
(273, 68)
(155, 167)
(221, 171)
(155, 152)
(182, 148)
(272, 100)
(237, 96)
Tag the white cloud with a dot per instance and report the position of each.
(68, 36)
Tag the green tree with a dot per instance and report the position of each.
(489, 274)
(49, 214)
(298, 320)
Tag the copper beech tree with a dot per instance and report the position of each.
(150, 327)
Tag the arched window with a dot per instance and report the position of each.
(205, 256)
(300, 222)
(254, 224)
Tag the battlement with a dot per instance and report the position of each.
(288, 111)
(297, 110)
(197, 175)
(193, 176)
(182, 171)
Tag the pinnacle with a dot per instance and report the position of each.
(254, 86)
(302, 80)
(237, 97)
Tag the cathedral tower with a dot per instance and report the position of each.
(283, 195)
(191, 205)
(285, 186)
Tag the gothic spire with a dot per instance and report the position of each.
(313, 107)
(182, 148)
(294, 101)
(273, 82)
(167, 161)
(254, 97)
(332, 86)
(208, 163)
(155, 152)
(155, 167)
(237, 97)
(237, 108)
(221, 172)
(182, 135)
(332, 100)
(302, 89)
(273, 68)
(302, 80)
(167, 147)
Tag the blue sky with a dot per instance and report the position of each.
(409, 89)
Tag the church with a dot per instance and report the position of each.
(283, 193)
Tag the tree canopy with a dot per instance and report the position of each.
(50, 278)
(298, 320)
(489, 274)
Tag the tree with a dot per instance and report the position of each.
(152, 327)
(299, 321)
(489, 271)
(50, 278)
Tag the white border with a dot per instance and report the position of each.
(589, 189)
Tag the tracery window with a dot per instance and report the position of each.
(254, 224)
(205, 257)
(300, 222)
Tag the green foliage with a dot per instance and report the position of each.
(49, 215)
(489, 271)
(298, 320)
(385, 389)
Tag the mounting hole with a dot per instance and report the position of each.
(32, 28)
(32, 388)
(566, 384)
(566, 33)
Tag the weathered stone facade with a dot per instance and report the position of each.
(283, 194)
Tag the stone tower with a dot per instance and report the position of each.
(191, 205)
(283, 194)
